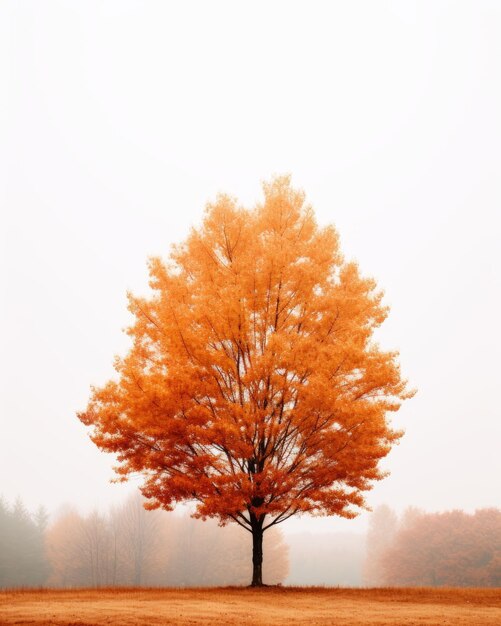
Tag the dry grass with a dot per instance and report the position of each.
(285, 606)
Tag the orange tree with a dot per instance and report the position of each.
(253, 386)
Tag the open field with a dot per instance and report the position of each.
(251, 607)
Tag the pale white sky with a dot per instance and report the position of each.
(119, 120)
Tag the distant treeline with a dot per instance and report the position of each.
(453, 549)
(129, 546)
(23, 560)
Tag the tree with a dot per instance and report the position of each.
(253, 385)
(130, 546)
(137, 543)
(22, 555)
(79, 550)
(380, 535)
(452, 549)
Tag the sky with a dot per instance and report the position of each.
(120, 120)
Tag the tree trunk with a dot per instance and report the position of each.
(257, 556)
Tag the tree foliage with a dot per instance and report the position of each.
(253, 385)
(451, 548)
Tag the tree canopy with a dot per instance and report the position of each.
(253, 385)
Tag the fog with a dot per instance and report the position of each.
(120, 120)
(127, 545)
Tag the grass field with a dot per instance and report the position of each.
(285, 606)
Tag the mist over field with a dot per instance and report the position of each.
(128, 546)
(120, 122)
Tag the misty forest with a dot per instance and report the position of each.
(130, 546)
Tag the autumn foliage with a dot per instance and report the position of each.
(452, 548)
(253, 385)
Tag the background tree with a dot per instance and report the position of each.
(79, 550)
(131, 546)
(64, 550)
(23, 561)
(383, 527)
(139, 543)
(446, 549)
(253, 385)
